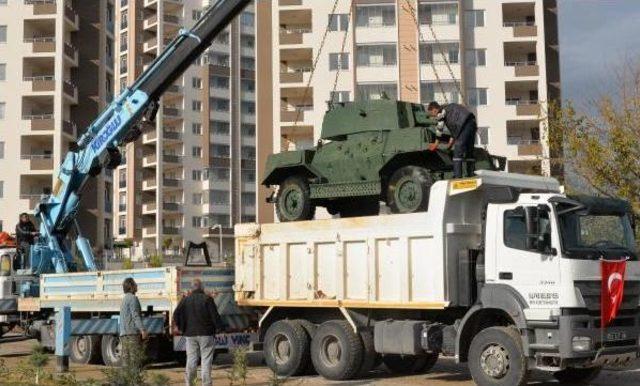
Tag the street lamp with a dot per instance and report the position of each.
(219, 227)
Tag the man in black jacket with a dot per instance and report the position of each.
(25, 236)
(462, 127)
(197, 319)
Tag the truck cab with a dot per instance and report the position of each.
(545, 251)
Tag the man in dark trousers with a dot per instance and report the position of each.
(462, 126)
(197, 319)
(25, 236)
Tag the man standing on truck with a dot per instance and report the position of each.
(197, 319)
(132, 331)
(25, 235)
(462, 125)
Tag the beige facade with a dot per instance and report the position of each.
(56, 75)
(499, 57)
(195, 173)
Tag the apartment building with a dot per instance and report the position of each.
(499, 57)
(193, 176)
(56, 75)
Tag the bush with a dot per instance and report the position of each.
(156, 261)
(237, 375)
(127, 264)
(132, 372)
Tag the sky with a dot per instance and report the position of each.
(594, 35)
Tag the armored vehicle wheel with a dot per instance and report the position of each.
(408, 190)
(293, 202)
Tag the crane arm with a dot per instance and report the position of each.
(121, 122)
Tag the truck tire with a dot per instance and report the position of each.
(286, 348)
(369, 354)
(85, 349)
(293, 202)
(410, 364)
(111, 350)
(336, 350)
(408, 190)
(496, 358)
(577, 376)
(310, 329)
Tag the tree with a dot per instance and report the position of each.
(602, 146)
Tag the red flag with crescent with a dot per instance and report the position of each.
(612, 289)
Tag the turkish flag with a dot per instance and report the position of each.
(612, 289)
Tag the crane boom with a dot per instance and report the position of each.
(117, 125)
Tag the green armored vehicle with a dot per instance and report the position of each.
(368, 152)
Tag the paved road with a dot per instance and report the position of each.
(446, 372)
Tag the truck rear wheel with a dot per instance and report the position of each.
(408, 190)
(496, 358)
(111, 350)
(410, 364)
(336, 350)
(85, 349)
(286, 348)
(293, 202)
(577, 376)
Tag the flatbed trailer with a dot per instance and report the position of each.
(95, 298)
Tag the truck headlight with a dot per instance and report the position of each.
(581, 343)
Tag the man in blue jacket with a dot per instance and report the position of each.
(462, 126)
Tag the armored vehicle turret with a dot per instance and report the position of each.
(369, 151)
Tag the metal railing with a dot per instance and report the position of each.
(519, 24)
(40, 39)
(35, 156)
(39, 78)
(33, 117)
(521, 102)
(32, 2)
(520, 141)
(520, 63)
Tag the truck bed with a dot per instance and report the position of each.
(393, 261)
(158, 288)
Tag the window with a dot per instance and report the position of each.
(221, 82)
(438, 14)
(196, 128)
(219, 197)
(442, 53)
(248, 129)
(222, 151)
(247, 41)
(338, 22)
(248, 152)
(123, 42)
(197, 199)
(220, 127)
(474, 18)
(340, 96)
(219, 59)
(3, 33)
(1, 189)
(3, 71)
(122, 225)
(376, 16)
(477, 96)
(221, 174)
(196, 14)
(196, 105)
(3, 107)
(122, 202)
(196, 222)
(196, 152)
(247, 63)
(123, 64)
(247, 19)
(377, 91)
(248, 86)
(223, 38)
(196, 175)
(377, 55)
(220, 104)
(248, 108)
(1, 149)
(444, 92)
(476, 57)
(249, 199)
(339, 61)
(515, 228)
(482, 136)
(196, 83)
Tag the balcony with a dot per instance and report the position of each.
(149, 161)
(522, 56)
(39, 162)
(42, 7)
(149, 184)
(172, 183)
(150, 137)
(41, 83)
(71, 17)
(149, 208)
(69, 128)
(71, 53)
(150, 46)
(70, 90)
(151, 23)
(40, 122)
(520, 17)
(170, 231)
(34, 199)
(172, 207)
(149, 231)
(525, 106)
(41, 45)
(172, 136)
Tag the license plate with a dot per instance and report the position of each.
(616, 336)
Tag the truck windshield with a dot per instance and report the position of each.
(591, 236)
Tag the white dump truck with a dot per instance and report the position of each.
(502, 272)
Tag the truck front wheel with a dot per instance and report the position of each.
(408, 190)
(111, 350)
(293, 202)
(336, 350)
(577, 376)
(85, 349)
(496, 358)
(286, 348)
